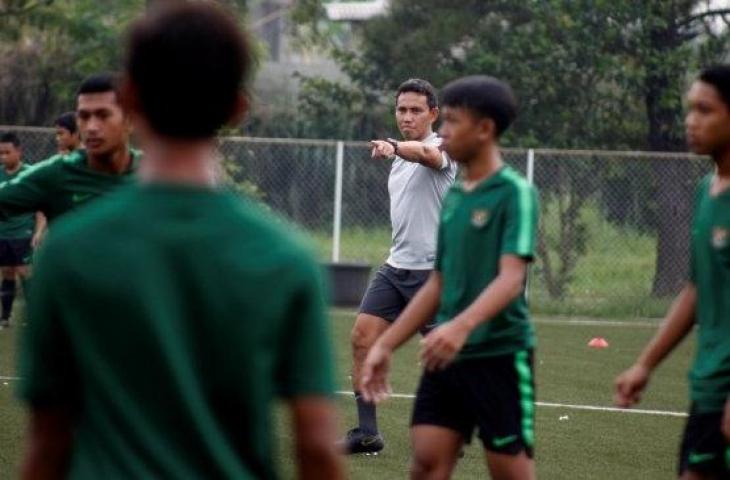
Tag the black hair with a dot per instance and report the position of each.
(719, 77)
(10, 137)
(485, 97)
(421, 87)
(67, 121)
(187, 63)
(100, 83)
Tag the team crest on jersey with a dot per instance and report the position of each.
(720, 237)
(479, 217)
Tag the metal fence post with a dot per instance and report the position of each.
(531, 181)
(337, 220)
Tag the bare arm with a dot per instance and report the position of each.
(418, 152)
(441, 346)
(315, 429)
(40, 229)
(674, 328)
(411, 151)
(49, 445)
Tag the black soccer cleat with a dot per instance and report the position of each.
(358, 441)
(4, 323)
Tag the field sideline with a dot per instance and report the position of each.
(579, 434)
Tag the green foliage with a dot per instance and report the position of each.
(47, 47)
(233, 176)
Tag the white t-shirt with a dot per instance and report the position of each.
(416, 193)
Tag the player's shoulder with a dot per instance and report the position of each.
(253, 220)
(516, 183)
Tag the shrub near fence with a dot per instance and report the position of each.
(601, 213)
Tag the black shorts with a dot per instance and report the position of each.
(495, 394)
(15, 252)
(390, 291)
(704, 448)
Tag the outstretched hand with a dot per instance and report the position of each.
(381, 149)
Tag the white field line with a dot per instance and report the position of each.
(597, 323)
(663, 413)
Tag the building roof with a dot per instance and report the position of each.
(355, 11)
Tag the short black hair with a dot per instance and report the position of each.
(10, 137)
(188, 64)
(719, 77)
(100, 83)
(485, 97)
(67, 120)
(421, 87)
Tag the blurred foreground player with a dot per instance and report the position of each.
(705, 300)
(478, 359)
(167, 317)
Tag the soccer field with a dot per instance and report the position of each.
(579, 436)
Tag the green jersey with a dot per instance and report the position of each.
(58, 185)
(170, 318)
(710, 273)
(17, 226)
(499, 217)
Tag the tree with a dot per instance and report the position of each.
(591, 73)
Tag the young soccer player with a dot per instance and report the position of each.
(166, 318)
(61, 184)
(478, 360)
(18, 234)
(67, 133)
(705, 300)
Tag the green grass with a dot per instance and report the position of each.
(588, 445)
(613, 279)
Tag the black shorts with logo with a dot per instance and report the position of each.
(390, 290)
(15, 252)
(704, 448)
(495, 394)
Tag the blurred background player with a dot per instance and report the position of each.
(705, 300)
(158, 361)
(105, 163)
(18, 234)
(419, 177)
(67, 133)
(478, 358)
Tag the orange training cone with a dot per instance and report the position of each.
(598, 342)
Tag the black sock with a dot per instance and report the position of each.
(366, 415)
(7, 296)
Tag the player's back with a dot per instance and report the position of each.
(186, 311)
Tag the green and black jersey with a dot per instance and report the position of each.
(499, 217)
(169, 318)
(710, 273)
(59, 184)
(17, 226)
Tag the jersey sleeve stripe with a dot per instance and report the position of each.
(525, 212)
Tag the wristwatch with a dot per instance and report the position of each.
(395, 145)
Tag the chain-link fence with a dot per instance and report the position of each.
(614, 235)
